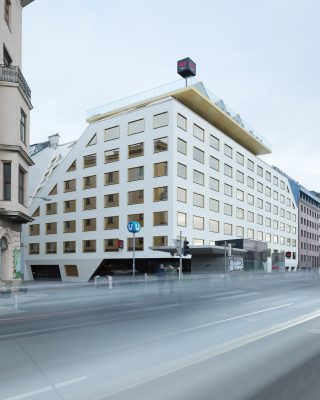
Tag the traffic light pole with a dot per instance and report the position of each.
(180, 256)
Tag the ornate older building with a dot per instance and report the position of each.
(15, 106)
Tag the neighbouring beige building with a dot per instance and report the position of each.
(15, 106)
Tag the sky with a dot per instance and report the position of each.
(260, 57)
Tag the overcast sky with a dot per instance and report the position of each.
(260, 57)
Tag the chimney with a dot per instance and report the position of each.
(54, 140)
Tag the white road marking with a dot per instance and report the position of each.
(237, 296)
(47, 388)
(71, 381)
(213, 295)
(29, 394)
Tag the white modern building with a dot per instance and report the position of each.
(175, 159)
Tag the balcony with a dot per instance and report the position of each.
(14, 74)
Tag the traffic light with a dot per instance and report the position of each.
(185, 249)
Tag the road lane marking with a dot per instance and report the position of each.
(29, 394)
(47, 388)
(201, 356)
(237, 296)
(71, 381)
(213, 295)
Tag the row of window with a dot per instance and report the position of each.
(309, 246)
(309, 235)
(310, 212)
(309, 223)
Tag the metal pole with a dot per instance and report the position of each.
(180, 256)
(225, 260)
(133, 257)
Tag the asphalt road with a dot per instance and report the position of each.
(207, 338)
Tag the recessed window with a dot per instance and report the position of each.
(213, 226)
(90, 161)
(214, 163)
(228, 170)
(112, 133)
(138, 244)
(69, 226)
(240, 231)
(160, 240)
(160, 193)
(51, 228)
(54, 190)
(69, 247)
(198, 132)
(240, 177)
(51, 247)
(198, 200)
(34, 248)
(214, 205)
(259, 170)
(111, 222)
(240, 158)
(136, 126)
(21, 186)
(260, 187)
(70, 185)
(73, 166)
(7, 181)
(51, 208)
(111, 244)
(182, 195)
(198, 155)
(182, 122)
(34, 229)
(240, 195)
(160, 218)
(268, 237)
(227, 229)
(227, 209)
(111, 178)
(259, 219)
(181, 219)
(89, 224)
(268, 176)
(250, 216)
(275, 210)
(214, 142)
(89, 182)
(160, 120)
(240, 213)
(250, 182)
(259, 203)
(198, 222)
(198, 177)
(228, 190)
(135, 150)
(160, 144)
(135, 174)
(92, 141)
(228, 151)
(275, 180)
(250, 165)
(111, 156)
(268, 191)
(268, 222)
(88, 246)
(268, 206)
(136, 197)
(111, 200)
(136, 217)
(181, 146)
(250, 199)
(71, 270)
(214, 184)
(250, 233)
(23, 126)
(160, 169)
(89, 203)
(69, 206)
(182, 171)
(282, 185)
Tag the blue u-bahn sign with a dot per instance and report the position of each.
(134, 227)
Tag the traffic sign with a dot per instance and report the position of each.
(134, 227)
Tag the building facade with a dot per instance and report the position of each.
(15, 100)
(308, 205)
(175, 160)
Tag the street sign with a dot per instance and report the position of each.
(235, 263)
(134, 227)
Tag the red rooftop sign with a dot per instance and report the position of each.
(186, 67)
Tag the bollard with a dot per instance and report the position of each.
(110, 281)
(16, 302)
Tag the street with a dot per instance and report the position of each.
(248, 337)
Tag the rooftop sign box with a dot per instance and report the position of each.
(186, 67)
